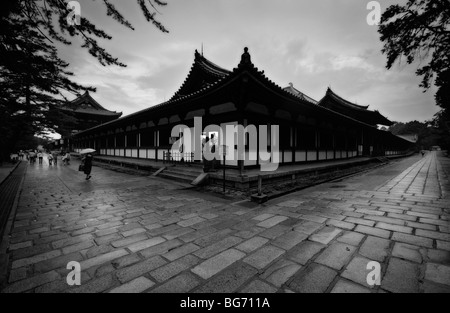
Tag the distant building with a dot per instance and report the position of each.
(410, 137)
(359, 112)
(87, 113)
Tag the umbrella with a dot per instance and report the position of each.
(88, 150)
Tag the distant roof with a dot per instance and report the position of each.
(409, 137)
(345, 102)
(203, 73)
(360, 112)
(291, 89)
(87, 105)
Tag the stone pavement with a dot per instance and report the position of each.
(10, 180)
(5, 170)
(145, 234)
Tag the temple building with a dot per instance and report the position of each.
(309, 130)
(89, 113)
(361, 113)
(83, 113)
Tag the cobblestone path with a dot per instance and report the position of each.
(143, 234)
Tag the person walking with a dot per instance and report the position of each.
(66, 159)
(55, 158)
(32, 155)
(40, 156)
(87, 163)
(50, 159)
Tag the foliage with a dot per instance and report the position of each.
(428, 133)
(419, 31)
(50, 17)
(32, 76)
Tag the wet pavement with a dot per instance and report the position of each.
(146, 234)
(5, 170)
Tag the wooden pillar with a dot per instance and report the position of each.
(138, 142)
(317, 143)
(126, 145)
(115, 144)
(294, 143)
(334, 146)
(346, 144)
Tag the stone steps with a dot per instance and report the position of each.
(181, 173)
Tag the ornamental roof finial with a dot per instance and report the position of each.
(246, 59)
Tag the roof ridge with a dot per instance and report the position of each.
(299, 93)
(245, 66)
(375, 114)
(93, 102)
(214, 66)
(332, 93)
(205, 65)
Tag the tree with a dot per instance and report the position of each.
(52, 19)
(441, 122)
(32, 142)
(32, 76)
(429, 134)
(414, 127)
(419, 31)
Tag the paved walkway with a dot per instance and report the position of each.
(5, 170)
(254, 173)
(145, 234)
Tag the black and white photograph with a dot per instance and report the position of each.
(231, 153)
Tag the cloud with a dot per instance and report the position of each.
(314, 44)
(340, 62)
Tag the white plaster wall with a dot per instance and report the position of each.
(300, 156)
(151, 153)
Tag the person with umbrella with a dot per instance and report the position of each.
(32, 157)
(66, 158)
(86, 161)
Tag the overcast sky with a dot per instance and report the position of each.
(313, 44)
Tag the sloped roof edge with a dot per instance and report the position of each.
(87, 97)
(202, 64)
(335, 96)
(245, 66)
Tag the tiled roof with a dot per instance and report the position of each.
(411, 137)
(87, 105)
(343, 101)
(203, 73)
(244, 66)
(93, 111)
(338, 104)
(298, 93)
